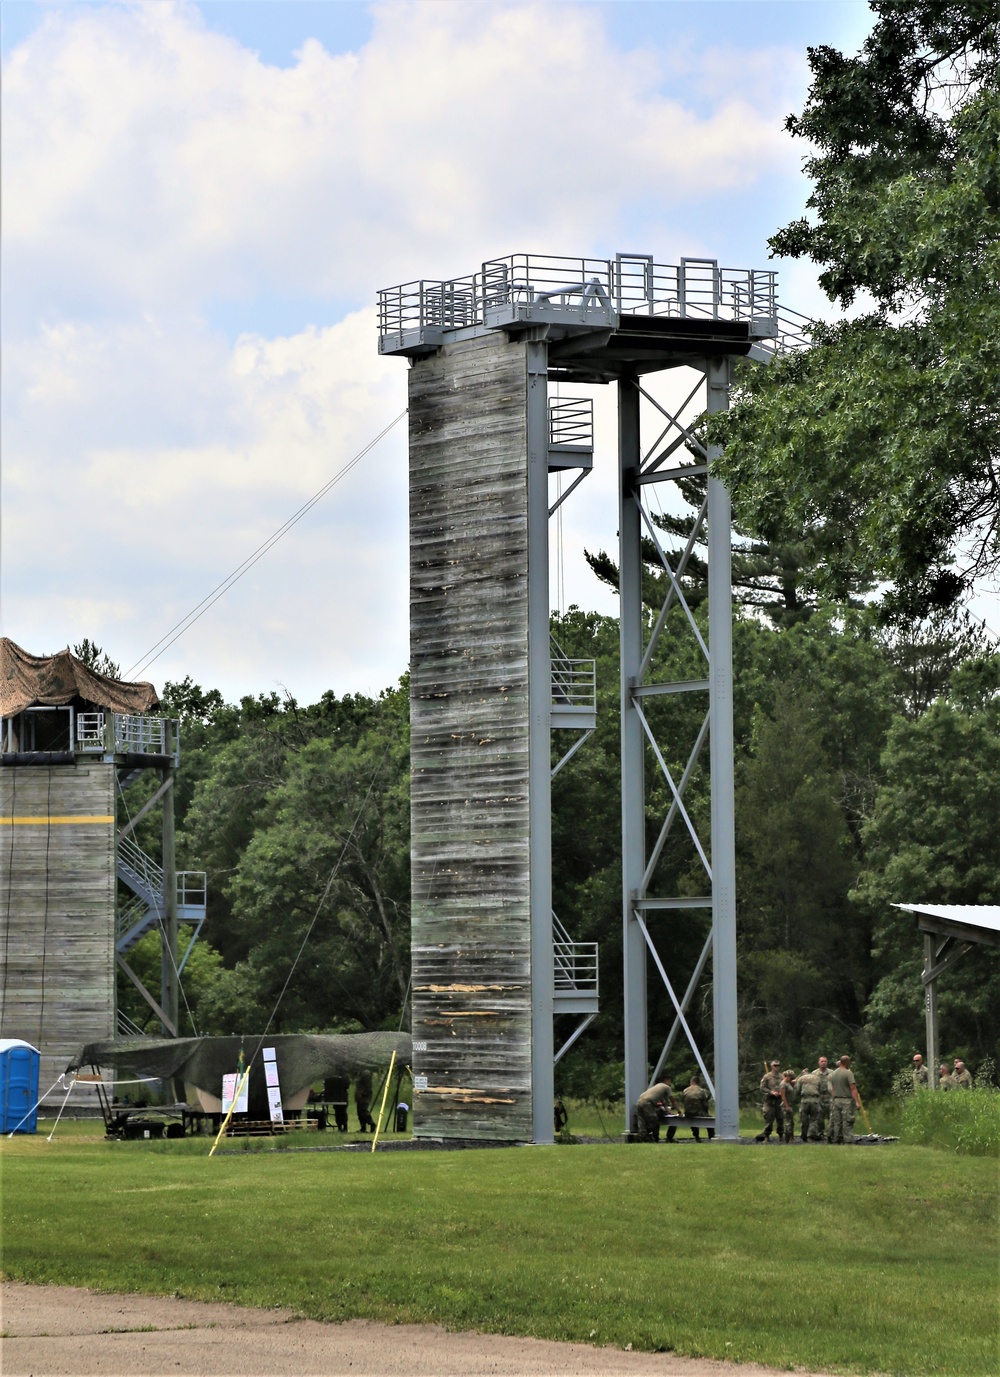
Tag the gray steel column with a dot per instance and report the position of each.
(633, 749)
(720, 623)
(539, 748)
(168, 935)
(931, 1012)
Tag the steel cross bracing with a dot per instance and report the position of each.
(712, 852)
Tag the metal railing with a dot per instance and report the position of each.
(131, 913)
(575, 963)
(626, 284)
(793, 333)
(571, 423)
(574, 682)
(127, 1027)
(141, 872)
(147, 876)
(134, 734)
(192, 888)
(90, 731)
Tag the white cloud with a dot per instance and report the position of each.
(137, 528)
(457, 126)
(153, 169)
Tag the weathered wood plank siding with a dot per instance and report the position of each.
(469, 742)
(57, 910)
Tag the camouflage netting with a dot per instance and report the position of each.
(50, 681)
(302, 1058)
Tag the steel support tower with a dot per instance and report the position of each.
(484, 349)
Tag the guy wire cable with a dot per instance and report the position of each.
(197, 612)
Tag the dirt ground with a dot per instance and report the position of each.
(50, 1330)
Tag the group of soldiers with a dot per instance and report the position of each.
(659, 1101)
(958, 1078)
(336, 1090)
(827, 1102)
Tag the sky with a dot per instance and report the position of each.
(201, 202)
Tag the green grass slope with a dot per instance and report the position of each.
(856, 1260)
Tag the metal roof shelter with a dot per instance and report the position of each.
(484, 349)
(950, 932)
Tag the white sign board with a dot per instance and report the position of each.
(229, 1084)
(420, 1082)
(273, 1088)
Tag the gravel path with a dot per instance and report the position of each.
(49, 1330)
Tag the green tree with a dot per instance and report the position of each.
(331, 844)
(932, 837)
(88, 652)
(802, 958)
(782, 576)
(198, 979)
(885, 430)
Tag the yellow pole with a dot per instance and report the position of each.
(385, 1092)
(861, 1106)
(225, 1122)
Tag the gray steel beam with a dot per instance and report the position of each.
(632, 744)
(720, 621)
(685, 1002)
(539, 747)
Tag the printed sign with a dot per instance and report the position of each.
(420, 1082)
(420, 1047)
(229, 1084)
(273, 1089)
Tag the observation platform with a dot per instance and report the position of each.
(63, 736)
(602, 318)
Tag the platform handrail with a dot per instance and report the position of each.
(693, 288)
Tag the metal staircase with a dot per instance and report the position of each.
(574, 707)
(144, 877)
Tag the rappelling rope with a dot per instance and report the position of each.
(187, 621)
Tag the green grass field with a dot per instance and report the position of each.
(845, 1259)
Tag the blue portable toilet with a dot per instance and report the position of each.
(19, 1064)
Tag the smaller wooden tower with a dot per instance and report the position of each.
(70, 739)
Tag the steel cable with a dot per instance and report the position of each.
(197, 612)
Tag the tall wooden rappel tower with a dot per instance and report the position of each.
(76, 891)
(491, 965)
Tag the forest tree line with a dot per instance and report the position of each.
(868, 773)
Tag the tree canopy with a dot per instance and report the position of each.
(885, 431)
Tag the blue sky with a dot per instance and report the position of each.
(201, 201)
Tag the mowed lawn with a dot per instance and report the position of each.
(868, 1259)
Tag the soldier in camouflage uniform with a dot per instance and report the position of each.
(844, 1100)
(823, 1073)
(921, 1076)
(946, 1081)
(810, 1118)
(962, 1076)
(788, 1086)
(648, 1106)
(696, 1106)
(773, 1108)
